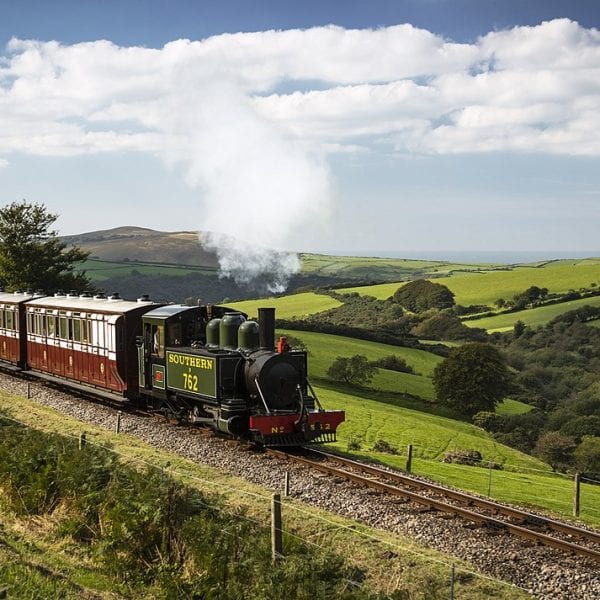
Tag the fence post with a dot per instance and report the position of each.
(409, 459)
(452, 573)
(118, 424)
(276, 533)
(576, 494)
(286, 484)
(490, 480)
(82, 440)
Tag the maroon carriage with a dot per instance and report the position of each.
(88, 340)
(13, 335)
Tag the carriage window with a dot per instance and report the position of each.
(51, 325)
(44, 321)
(30, 323)
(85, 331)
(63, 328)
(10, 319)
(76, 330)
(2, 319)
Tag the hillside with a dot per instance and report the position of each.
(145, 245)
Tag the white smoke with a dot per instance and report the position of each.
(263, 268)
(259, 189)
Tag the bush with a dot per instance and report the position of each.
(384, 446)
(421, 295)
(555, 449)
(356, 370)
(587, 456)
(463, 457)
(393, 363)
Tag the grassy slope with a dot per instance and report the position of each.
(324, 349)
(486, 287)
(524, 480)
(101, 270)
(407, 565)
(289, 307)
(531, 317)
(376, 268)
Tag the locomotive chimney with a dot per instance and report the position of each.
(266, 328)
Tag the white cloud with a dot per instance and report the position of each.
(216, 108)
(3, 163)
(397, 83)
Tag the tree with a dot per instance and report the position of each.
(519, 328)
(421, 295)
(473, 378)
(556, 449)
(354, 370)
(32, 256)
(587, 456)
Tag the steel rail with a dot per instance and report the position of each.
(468, 499)
(434, 504)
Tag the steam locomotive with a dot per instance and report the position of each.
(201, 364)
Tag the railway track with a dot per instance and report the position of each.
(481, 511)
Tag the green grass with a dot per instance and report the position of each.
(532, 317)
(524, 479)
(101, 270)
(513, 407)
(289, 307)
(485, 287)
(324, 264)
(324, 349)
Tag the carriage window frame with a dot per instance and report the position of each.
(76, 325)
(10, 319)
(63, 327)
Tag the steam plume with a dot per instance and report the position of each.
(259, 188)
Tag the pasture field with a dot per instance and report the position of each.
(62, 570)
(289, 307)
(101, 270)
(532, 317)
(324, 349)
(485, 287)
(524, 480)
(513, 407)
(353, 267)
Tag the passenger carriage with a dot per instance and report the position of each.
(87, 340)
(13, 334)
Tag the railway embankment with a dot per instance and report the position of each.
(394, 540)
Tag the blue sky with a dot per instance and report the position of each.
(430, 125)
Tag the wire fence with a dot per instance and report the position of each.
(325, 526)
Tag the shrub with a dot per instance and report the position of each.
(421, 295)
(393, 363)
(355, 370)
(463, 457)
(556, 449)
(384, 446)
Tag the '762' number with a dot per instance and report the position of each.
(190, 382)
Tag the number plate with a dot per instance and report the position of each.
(191, 373)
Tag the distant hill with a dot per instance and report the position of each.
(145, 245)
